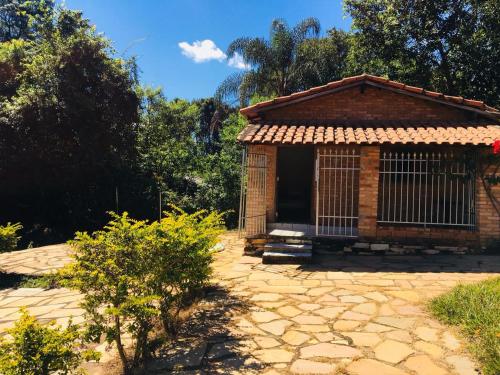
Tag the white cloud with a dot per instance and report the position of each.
(237, 62)
(202, 51)
(206, 50)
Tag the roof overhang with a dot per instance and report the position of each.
(466, 134)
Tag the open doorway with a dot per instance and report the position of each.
(295, 173)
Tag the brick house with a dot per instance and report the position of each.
(369, 159)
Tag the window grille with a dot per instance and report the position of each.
(426, 188)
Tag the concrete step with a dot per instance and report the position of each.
(273, 257)
(282, 247)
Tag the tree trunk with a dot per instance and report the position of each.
(119, 346)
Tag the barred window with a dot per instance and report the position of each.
(426, 188)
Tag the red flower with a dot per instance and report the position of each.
(496, 147)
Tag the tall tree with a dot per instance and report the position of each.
(68, 119)
(451, 46)
(323, 60)
(20, 19)
(274, 67)
(167, 148)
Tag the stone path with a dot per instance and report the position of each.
(350, 314)
(46, 305)
(36, 261)
(343, 314)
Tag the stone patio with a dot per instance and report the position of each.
(342, 314)
(36, 261)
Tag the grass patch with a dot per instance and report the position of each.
(48, 281)
(475, 309)
(15, 280)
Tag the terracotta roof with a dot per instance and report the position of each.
(377, 133)
(252, 111)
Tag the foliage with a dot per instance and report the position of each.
(447, 45)
(110, 271)
(9, 236)
(474, 308)
(68, 117)
(167, 149)
(22, 19)
(132, 268)
(180, 259)
(220, 173)
(274, 66)
(37, 349)
(47, 281)
(323, 60)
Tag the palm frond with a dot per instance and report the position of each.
(278, 25)
(250, 84)
(254, 51)
(238, 46)
(229, 87)
(309, 27)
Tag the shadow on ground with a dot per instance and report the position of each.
(205, 344)
(392, 263)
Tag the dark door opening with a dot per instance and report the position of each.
(295, 173)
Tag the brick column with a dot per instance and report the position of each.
(488, 220)
(368, 191)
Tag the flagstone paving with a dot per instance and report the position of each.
(36, 261)
(350, 314)
(343, 314)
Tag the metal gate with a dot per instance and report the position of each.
(252, 215)
(337, 191)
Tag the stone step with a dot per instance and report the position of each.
(272, 257)
(289, 240)
(281, 247)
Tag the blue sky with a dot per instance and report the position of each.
(155, 30)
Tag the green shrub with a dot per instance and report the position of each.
(180, 259)
(110, 270)
(37, 349)
(475, 309)
(132, 272)
(9, 237)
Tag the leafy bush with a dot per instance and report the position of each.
(475, 309)
(132, 272)
(180, 259)
(42, 349)
(9, 237)
(110, 270)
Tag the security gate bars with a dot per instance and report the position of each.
(426, 189)
(337, 191)
(252, 216)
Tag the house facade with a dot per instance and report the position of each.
(370, 159)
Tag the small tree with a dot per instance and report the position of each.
(9, 237)
(110, 270)
(180, 259)
(42, 349)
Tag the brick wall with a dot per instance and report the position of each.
(371, 104)
(488, 220)
(430, 235)
(368, 191)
